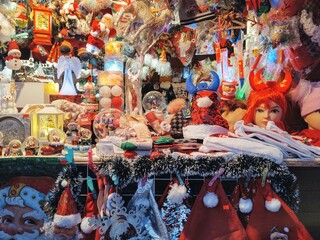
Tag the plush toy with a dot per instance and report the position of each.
(233, 111)
(101, 30)
(306, 94)
(205, 115)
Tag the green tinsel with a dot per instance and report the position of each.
(237, 166)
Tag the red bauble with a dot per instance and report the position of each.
(116, 102)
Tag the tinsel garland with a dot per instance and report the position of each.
(74, 179)
(236, 166)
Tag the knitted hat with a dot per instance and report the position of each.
(13, 47)
(90, 210)
(212, 208)
(307, 95)
(263, 218)
(67, 214)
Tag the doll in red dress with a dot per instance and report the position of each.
(307, 94)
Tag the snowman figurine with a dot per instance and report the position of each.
(13, 61)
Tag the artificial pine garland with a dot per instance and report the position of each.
(74, 179)
(236, 166)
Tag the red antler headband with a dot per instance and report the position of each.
(257, 83)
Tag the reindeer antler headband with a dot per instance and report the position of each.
(256, 82)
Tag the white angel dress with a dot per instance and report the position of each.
(68, 65)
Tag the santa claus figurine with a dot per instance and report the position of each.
(13, 61)
(205, 115)
(101, 30)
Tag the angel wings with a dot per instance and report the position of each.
(66, 63)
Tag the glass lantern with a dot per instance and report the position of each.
(46, 119)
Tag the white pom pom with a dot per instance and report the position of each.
(85, 226)
(210, 200)
(273, 205)
(177, 193)
(142, 202)
(64, 183)
(245, 205)
(286, 229)
(204, 102)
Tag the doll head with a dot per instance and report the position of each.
(266, 101)
(306, 94)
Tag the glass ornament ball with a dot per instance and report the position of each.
(116, 91)
(105, 102)
(154, 101)
(106, 122)
(117, 102)
(105, 91)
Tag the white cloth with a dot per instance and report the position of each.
(242, 146)
(274, 136)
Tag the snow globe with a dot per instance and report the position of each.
(110, 127)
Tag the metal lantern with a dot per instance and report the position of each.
(46, 119)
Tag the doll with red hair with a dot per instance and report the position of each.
(267, 101)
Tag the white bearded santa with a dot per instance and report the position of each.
(21, 208)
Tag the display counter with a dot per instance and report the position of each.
(298, 179)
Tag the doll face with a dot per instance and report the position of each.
(263, 114)
(313, 120)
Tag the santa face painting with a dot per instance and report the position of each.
(20, 223)
(21, 213)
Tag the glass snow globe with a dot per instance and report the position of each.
(110, 127)
(154, 101)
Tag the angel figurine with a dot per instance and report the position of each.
(67, 65)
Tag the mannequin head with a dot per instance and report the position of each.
(266, 101)
(264, 105)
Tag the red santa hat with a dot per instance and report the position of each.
(90, 210)
(220, 214)
(67, 214)
(13, 47)
(262, 220)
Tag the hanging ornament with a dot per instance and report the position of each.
(164, 67)
(184, 42)
(121, 223)
(175, 209)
